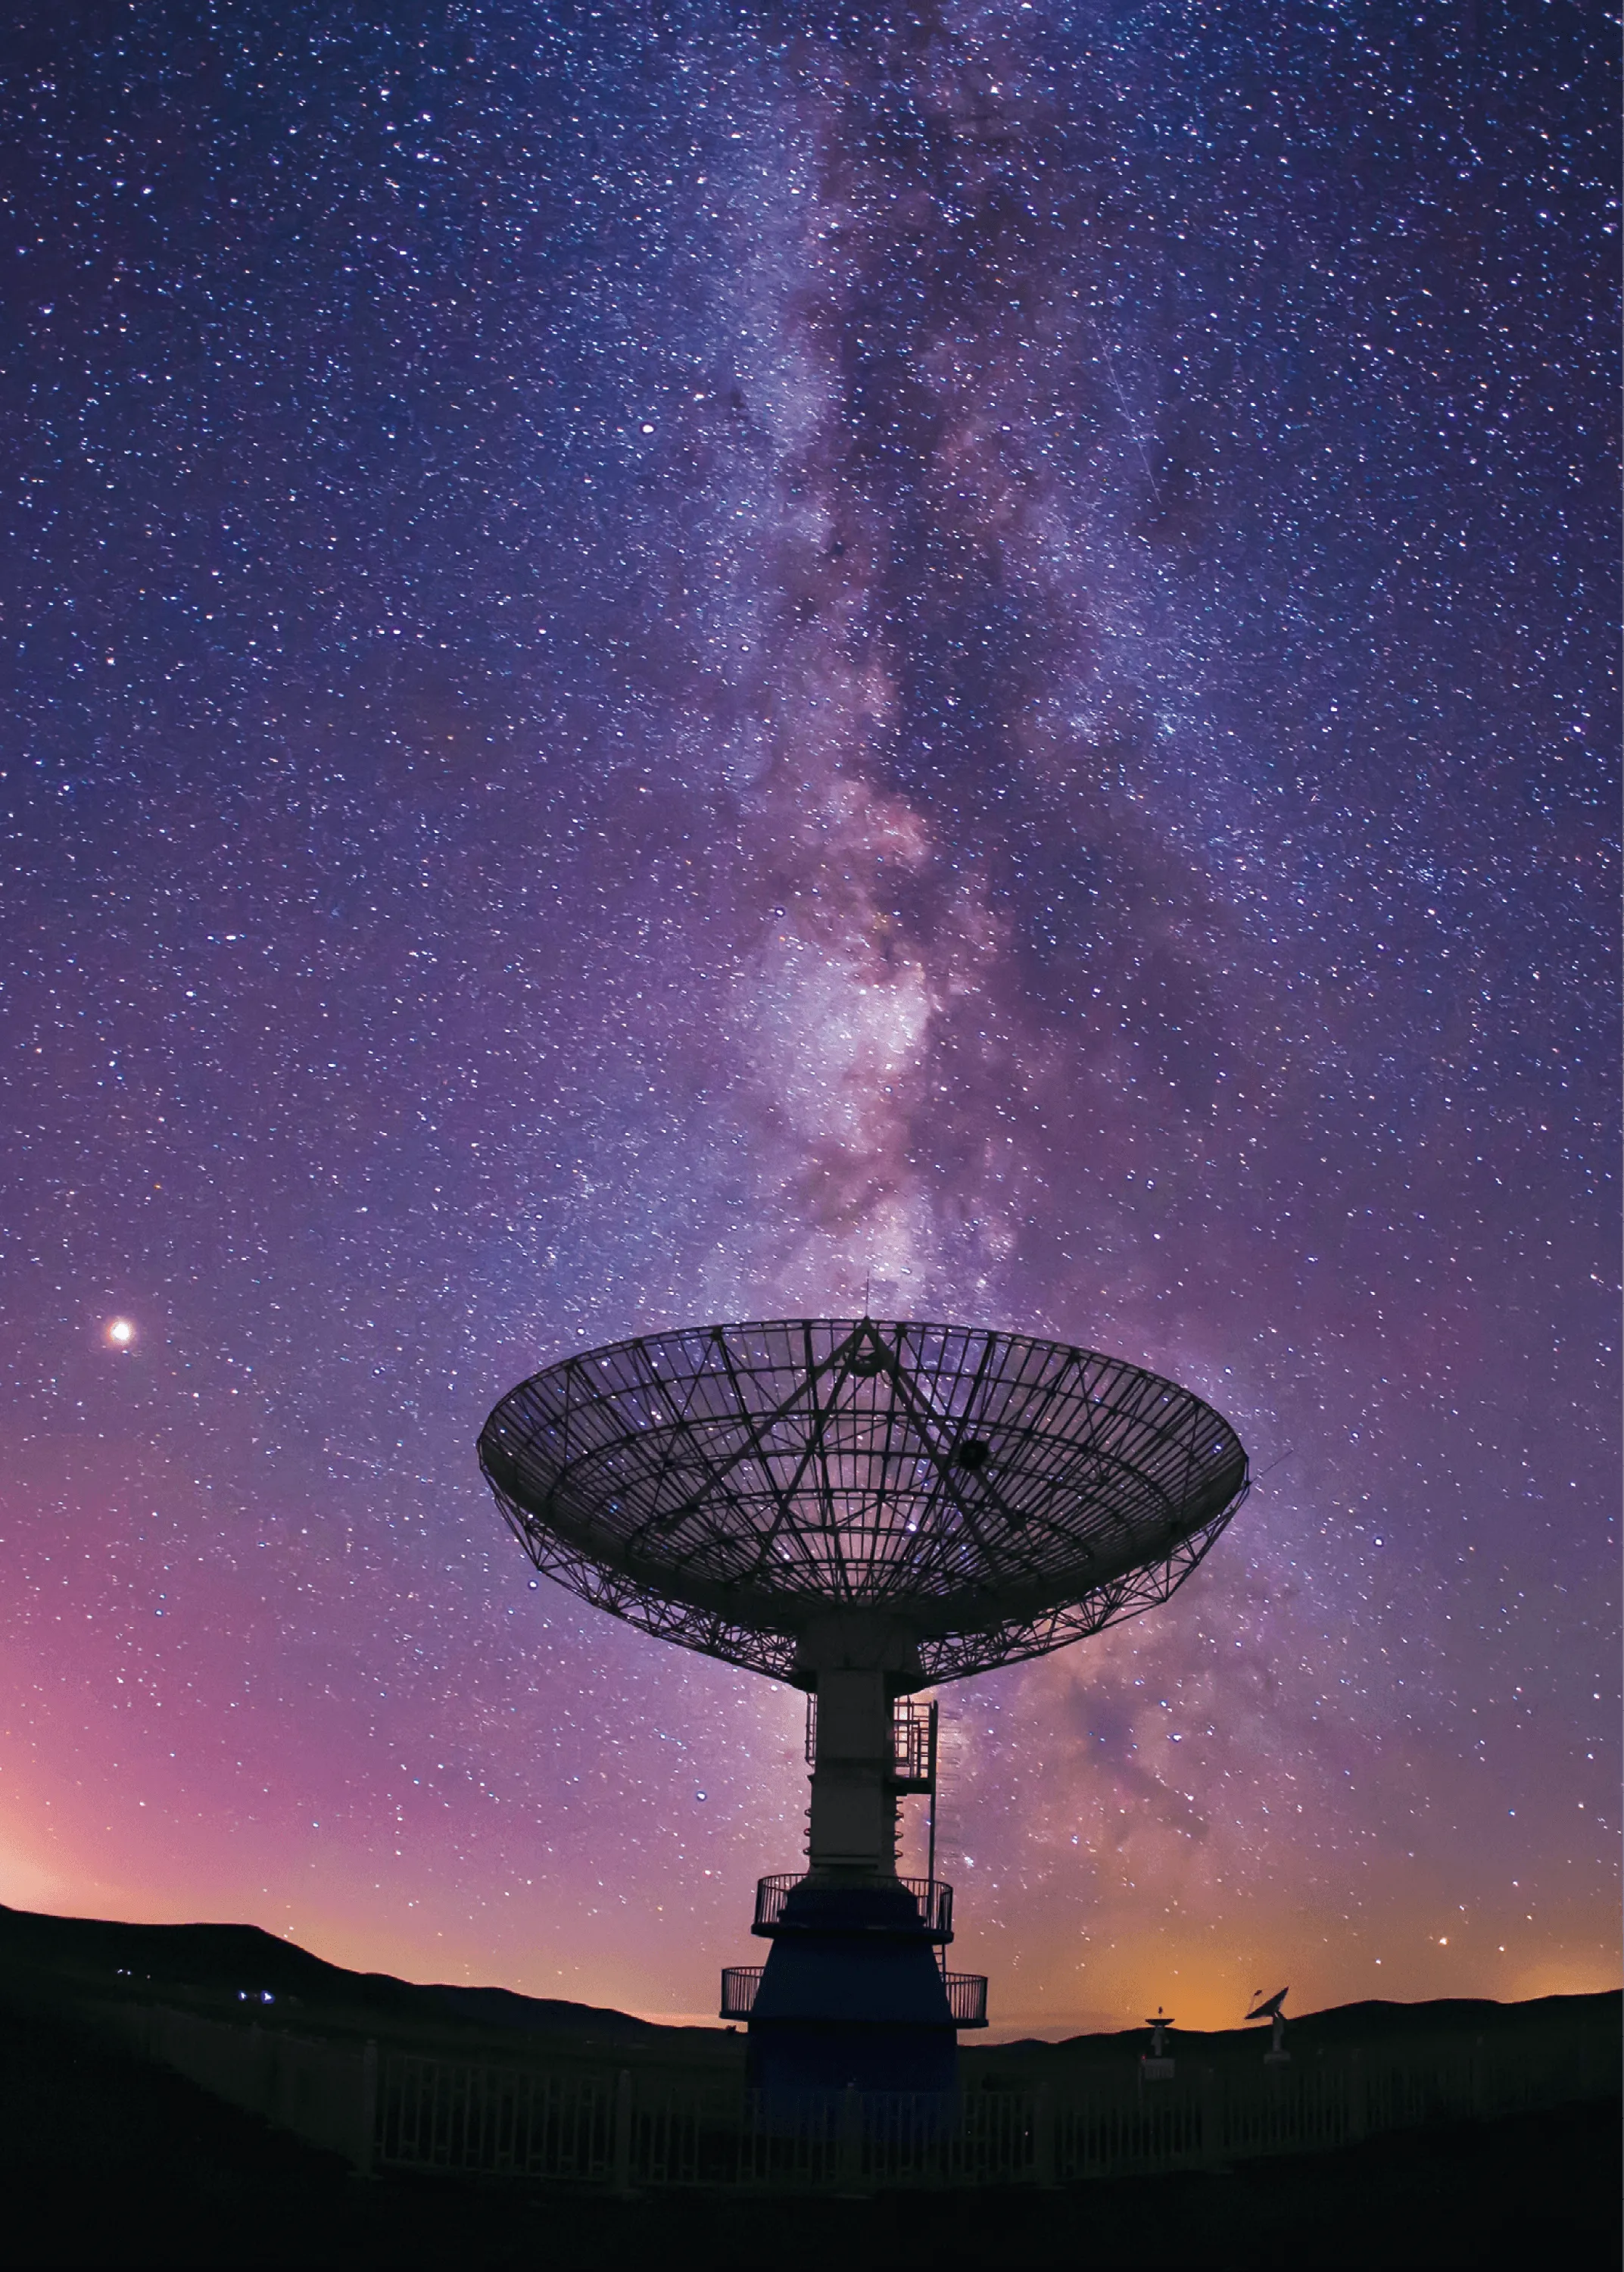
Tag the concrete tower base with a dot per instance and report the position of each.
(851, 1994)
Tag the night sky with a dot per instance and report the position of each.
(661, 660)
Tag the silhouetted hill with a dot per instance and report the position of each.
(1372, 2026)
(47, 1958)
(232, 1962)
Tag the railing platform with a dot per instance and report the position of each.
(739, 1982)
(912, 1769)
(933, 1898)
(966, 1994)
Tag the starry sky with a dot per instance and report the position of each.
(663, 660)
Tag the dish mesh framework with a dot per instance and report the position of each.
(723, 1486)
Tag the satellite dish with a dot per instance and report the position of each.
(968, 1499)
(862, 1508)
(1154, 2064)
(1269, 2008)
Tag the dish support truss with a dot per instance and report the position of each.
(1008, 1496)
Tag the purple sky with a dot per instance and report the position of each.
(663, 660)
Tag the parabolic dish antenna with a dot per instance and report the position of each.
(990, 1495)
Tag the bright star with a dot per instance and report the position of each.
(120, 1332)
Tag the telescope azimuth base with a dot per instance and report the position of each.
(852, 1994)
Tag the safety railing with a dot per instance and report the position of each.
(739, 1982)
(643, 2129)
(913, 1744)
(384, 2108)
(933, 1898)
(966, 1995)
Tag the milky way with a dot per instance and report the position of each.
(668, 663)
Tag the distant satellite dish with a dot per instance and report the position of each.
(1154, 2064)
(1269, 2008)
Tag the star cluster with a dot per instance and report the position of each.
(669, 663)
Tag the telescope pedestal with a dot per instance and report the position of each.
(852, 1994)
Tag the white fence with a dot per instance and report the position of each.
(322, 2091)
(387, 2108)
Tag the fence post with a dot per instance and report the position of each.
(1211, 2143)
(849, 2146)
(367, 2126)
(1043, 2121)
(621, 2151)
(1359, 2112)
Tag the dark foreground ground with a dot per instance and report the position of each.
(105, 2160)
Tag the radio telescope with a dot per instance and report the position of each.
(862, 1509)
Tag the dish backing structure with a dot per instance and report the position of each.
(864, 1509)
